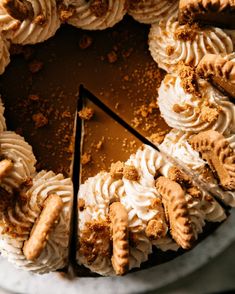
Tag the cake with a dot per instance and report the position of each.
(133, 204)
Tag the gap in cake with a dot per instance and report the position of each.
(95, 123)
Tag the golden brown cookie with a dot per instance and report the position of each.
(18, 9)
(212, 12)
(220, 71)
(215, 149)
(176, 208)
(41, 229)
(119, 225)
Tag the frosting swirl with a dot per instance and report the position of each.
(194, 113)
(98, 193)
(18, 219)
(41, 23)
(15, 148)
(96, 14)
(170, 43)
(149, 11)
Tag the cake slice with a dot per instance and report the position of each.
(154, 217)
(103, 142)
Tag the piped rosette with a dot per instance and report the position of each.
(93, 14)
(35, 223)
(29, 21)
(151, 11)
(171, 43)
(191, 104)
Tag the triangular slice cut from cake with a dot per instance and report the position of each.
(163, 207)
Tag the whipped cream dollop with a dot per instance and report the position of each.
(14, 148)
(151, 11)
(195, 113)
(171, 43)
(95, 15)
(18, 220)
(98, 193)
(37, 25)
(4, 56)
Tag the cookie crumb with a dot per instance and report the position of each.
(158, 138)
(40, 120)
(176, 175)
(188, 78)
(33, 97)
(117, 170)
(99, 7)
(194, 192)
(186, 33)
(86, 113)
(94, 240)
(130, 173)
(99, 144)
(85, 158)
(209, 114)
(170, 50)
(155, 229)
(65, 13)
(85, 42)
(35, 66)
(40, 19)
(112, 57)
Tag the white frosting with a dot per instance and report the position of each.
(29, 31)
(151, 11)
(83, 16)
(168, 51)
(2, 118)
(191, 119)
(22, 217)
(15, 148)
(176, 144)
(4, 56)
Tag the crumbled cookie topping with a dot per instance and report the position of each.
(86, 113)
(40, 120)
(85, 158)
(130, 173)
(95, 240)
(117, 170)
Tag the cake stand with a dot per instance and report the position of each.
(20, 281)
